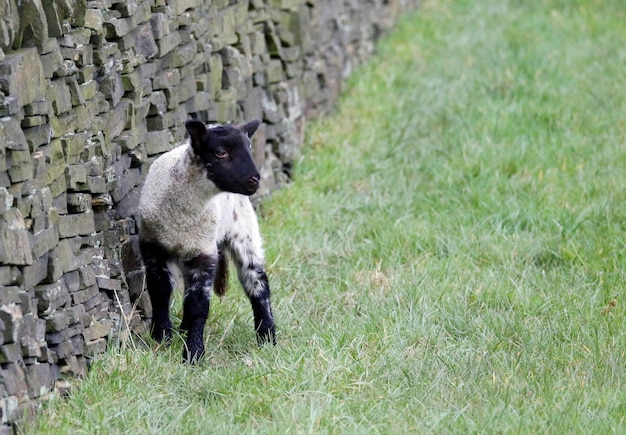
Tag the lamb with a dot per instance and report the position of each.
(195, 208)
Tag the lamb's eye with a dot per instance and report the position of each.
(221, 154)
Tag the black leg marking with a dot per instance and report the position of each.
(199, 273)
(159, 283)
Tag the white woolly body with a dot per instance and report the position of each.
(186, 213)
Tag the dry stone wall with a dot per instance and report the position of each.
(91, 92)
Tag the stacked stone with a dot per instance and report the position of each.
(55, 168)
(91, 92)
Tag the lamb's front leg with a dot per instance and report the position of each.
(199, 273)
(251, 270)
(258, 289)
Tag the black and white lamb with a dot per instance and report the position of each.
(194, 208)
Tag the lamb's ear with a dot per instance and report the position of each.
(250, 127)
(197, 131)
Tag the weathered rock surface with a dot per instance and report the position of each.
(91, 92)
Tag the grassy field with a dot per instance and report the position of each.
(450, 257)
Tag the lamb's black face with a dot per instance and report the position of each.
(226, 155)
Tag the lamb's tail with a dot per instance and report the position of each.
(221, 273)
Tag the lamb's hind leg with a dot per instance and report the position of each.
(199, 273)
(159, 284)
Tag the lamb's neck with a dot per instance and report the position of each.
(199, 189)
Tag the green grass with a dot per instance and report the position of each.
(449, 258)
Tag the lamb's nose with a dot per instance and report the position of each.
(253, 183)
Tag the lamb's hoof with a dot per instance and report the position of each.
(161, 333)
(267, 336)
(192, 355)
